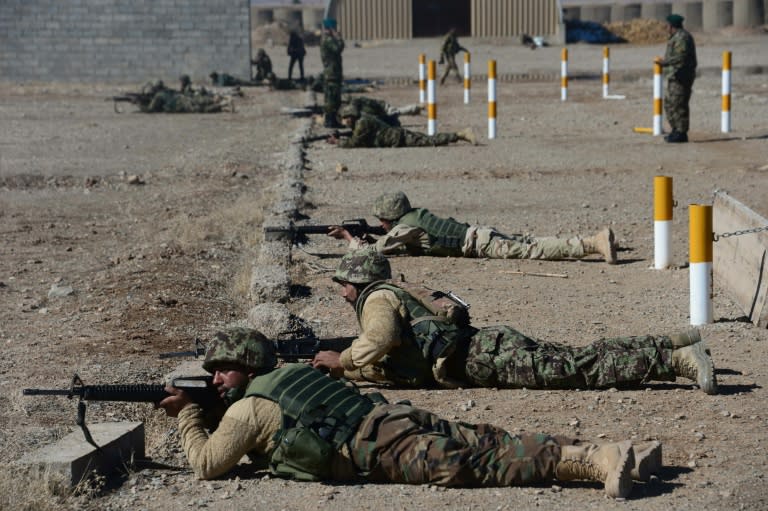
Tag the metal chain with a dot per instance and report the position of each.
(739, 233)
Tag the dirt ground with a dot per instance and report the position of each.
(154, 222)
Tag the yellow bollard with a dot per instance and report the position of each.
(467, 77)
(725, 117)
(662, 221)
(700, 248)
(431, 105)
(422, 78)
(491, 99)
(564, 74)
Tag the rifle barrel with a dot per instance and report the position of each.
(45, 392)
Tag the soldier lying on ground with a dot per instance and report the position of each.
(382, 110)
(157, 98)
(227, 80)
(411, 339)
(304, 425)
(369, 131)
(416, 232)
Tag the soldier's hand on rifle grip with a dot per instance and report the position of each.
(340, 233)
(329, 360)
(174, 403)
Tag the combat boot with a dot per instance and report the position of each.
(467, 134)
(603, 243)
(610, 464)
(647, 461)
(690, 360)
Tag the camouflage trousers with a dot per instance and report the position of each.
(450, 65)
(488, 242)
(676, 100)
(332, 92)
(416, 139)
(403, 444)
(503, 357)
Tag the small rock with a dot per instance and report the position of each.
(58, 291)
(135, 180)
(340, 167)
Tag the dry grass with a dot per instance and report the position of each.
(38, 490)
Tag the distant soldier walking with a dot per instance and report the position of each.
(331, 47)
(679, 65)
(448, 53)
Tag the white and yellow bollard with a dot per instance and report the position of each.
(467, 77)
(606, 70)
(657, 101)
(662, 222)
(431, 105)
(725, 118)
(491, 99)
(564, 74)
(422, 78)
(700, 241)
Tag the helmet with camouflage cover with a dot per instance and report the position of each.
(244, 346)
(363, 267)
(349, 111)
(391, 205)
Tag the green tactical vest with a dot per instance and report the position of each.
(446, 235)
(310, 399)
(426, 337)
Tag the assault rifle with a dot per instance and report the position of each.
(289, 347)
(294, 349)
(298, 233)
(199, 388)
(141, 99)
(335, 133)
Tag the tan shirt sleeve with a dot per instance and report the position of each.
(401, 239)
(380, 324)
(248, 426)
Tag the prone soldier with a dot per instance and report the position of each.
(301, 424)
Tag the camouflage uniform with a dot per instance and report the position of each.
(331, 48)
(375, 108)
(418, 232)
(174, 102)
(679, 66)
(372, 132)
(263, 65)
(448, 52)
(227, 80)
(392, 443)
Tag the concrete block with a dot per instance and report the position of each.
(269, 283)
(74, 459)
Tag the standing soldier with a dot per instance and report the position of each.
(308, 427)
(331, 47)
(679, 65)
(296, 52)
(448, 53)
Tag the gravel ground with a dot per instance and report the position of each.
(153, 265)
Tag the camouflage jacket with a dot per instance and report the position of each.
(372, 132)
(451, 46)
(330, 53)
(680, 57)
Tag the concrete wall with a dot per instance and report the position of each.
(120, 41)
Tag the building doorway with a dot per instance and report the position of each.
(433, 18)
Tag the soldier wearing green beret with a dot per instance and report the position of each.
(679, 65)
(301, 424)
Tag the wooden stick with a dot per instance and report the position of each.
(536, 274)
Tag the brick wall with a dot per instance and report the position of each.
(122, 41)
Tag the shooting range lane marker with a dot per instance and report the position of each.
(431, 106)
(662, 222)
(657, 101)
(422, 78)
(701, 239)
(491, 99)
(564, 74)
(607, 75)
(725, 116)
(467, 78)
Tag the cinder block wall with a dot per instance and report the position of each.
(122, 41)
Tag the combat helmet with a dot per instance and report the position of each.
(363, 267)
(349, 111)
(391, 205)
(244, 346)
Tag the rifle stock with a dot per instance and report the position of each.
(297, 233)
